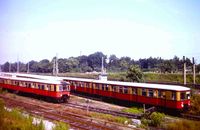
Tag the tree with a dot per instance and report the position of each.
(6, 67)
(124, 63)
(135, 74)
(113, 64)
(72, 63)
(95, 59)
(83, 64)
(167, 66)
(44, 66)
(33, 66)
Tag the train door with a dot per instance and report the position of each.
(93, 88)
(163, 99)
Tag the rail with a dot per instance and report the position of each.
(105, 111)
(191, 117)
(76, 121)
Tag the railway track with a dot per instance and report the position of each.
(105, 111)
(76, 121)
(191, 117)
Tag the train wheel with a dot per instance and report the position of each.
(65, 98)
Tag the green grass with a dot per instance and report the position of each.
(133, 110)
(111, 118)
(14, 120)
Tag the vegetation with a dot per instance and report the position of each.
(93, 61)
(61, 126)
(133, 110)
(112, 118)
(134, 74)
(155, 119)
(14, 120)
(195, 105)
(184, 125)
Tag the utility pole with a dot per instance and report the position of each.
(194, 74)
(184, 71)
(28, 67)
(55, 66)
(102, 67)
(9, 67)
(17, 64)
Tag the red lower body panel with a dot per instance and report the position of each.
(35, 91)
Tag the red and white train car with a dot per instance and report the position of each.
(52, 89)
(168, 96)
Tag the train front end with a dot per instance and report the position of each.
(64, 91)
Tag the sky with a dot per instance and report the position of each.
(40, 29)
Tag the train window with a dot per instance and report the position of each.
(159, 93)
(173, 95)
(20, 83)
(48, 87)
(12, 82)
(103, 87)
(114, 88)
(134, 91)
(93, 86)
(97, 86)
(54, 88)
(188, 95)
(87, 85)
(81, 84)
(65, 88)
(29, 85)
(125, 90)
(34, 85)
(182, 95)
(39, 86)
(150, 94)
(144, 93)
(60, 88)
(106, 86)
(42, 86)
(120, 89)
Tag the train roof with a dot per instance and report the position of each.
(130, 84)
(133, 84)
(28, 79)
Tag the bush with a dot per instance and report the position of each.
(195, 105)
(156, 118)
(145, 122)
(61, 126)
